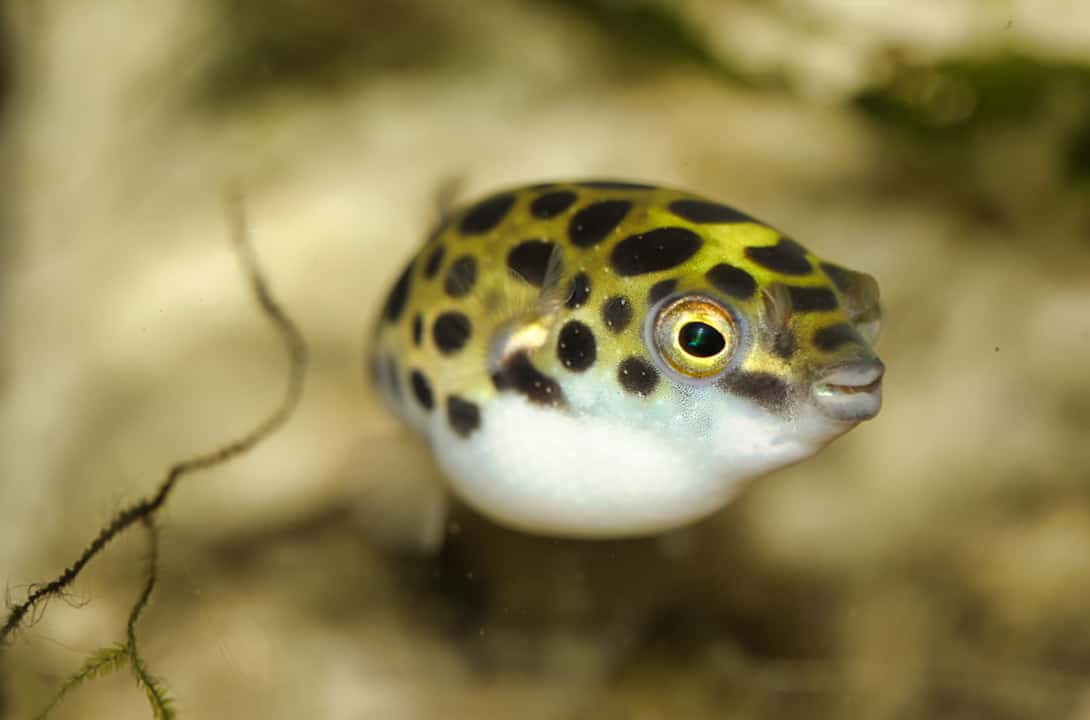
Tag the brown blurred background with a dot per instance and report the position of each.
(935, 563)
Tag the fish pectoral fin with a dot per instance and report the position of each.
(532, 312)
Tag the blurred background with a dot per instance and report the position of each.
(934, 563)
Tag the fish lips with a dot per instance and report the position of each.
(850, 392)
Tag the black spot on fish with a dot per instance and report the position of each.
(552, 204)
(660, 290)
(530, 260)
(831, 337)
(486, 214)
(431, 267)
(840, 276)
(732, 281)
(617, 313)
(655, 250)
(592, 224)
(765, 389)
(786, 257)
(418, 329)
(637, 376)
(575, 346)
(578, 291)
(519, 375)
(422, 390)
(702, 211)
(464, 416)
(398, 297)
(451, 332)
(811, 299)
(461, 277)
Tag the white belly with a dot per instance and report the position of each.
(546, 471)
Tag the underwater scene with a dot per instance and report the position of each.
(549, 359)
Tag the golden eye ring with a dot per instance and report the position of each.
(695, 336)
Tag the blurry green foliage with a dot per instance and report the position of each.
(321, 44)
(1077, 153)
(644, 32)
(951, 101)
(964, 95)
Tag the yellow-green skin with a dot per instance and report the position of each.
(475, 349)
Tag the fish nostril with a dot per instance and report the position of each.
(854, 374)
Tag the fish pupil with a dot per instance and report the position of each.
(701, 340)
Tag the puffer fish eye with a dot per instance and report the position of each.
(695, 336)
(701, 339)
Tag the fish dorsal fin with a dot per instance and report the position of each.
(449, 189)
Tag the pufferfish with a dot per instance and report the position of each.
(603, 359)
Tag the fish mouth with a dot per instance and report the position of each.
(851, 392)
